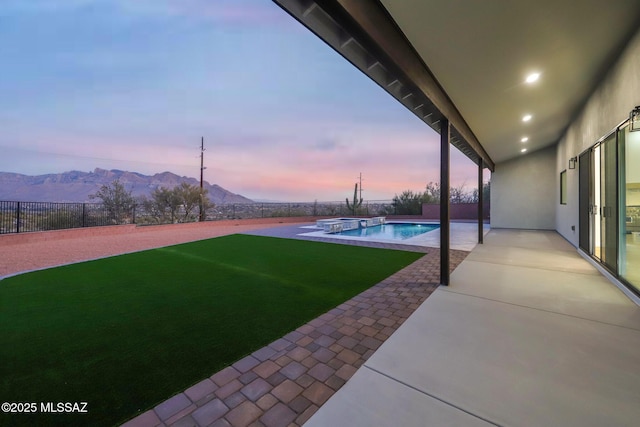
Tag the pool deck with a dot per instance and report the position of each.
(463, 236)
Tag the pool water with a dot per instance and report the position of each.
(391, 231)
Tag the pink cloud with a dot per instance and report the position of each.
(287, 165)
(296, 168)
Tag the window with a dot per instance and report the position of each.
(563, 187)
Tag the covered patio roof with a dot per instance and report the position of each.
(468, 61)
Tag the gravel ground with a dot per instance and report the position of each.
(35, 251)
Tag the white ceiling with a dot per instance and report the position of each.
(482, 50)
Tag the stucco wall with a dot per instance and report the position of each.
(607, 107)
(523, 192)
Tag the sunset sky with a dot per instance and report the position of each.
(133, 85)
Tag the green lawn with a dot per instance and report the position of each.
(125, 333)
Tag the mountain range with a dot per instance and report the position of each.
(76, 186)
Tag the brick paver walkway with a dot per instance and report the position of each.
(284, 383)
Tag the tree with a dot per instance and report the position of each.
(460, 195)
(118, 202)
(164, 203)
(410, 203)
(432, 193)
(175, 205)
(189, 197)
(486, 193)
(407, 203)
(152, 210)
(456, 194)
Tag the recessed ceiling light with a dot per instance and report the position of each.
(524, 139)
(527, 117)
(532, 78)
(524, 150)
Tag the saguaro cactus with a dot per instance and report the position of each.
(353, 207)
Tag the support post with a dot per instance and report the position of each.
(445, 132)
(202, 215)
(480, 202)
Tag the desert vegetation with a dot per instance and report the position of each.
(410, 203)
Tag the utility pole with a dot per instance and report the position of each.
(202, 215)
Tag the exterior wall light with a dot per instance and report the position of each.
(572, 162)
(634, 119)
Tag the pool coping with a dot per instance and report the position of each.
(463, 236)
(414, 240)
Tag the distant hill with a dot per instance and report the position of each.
(75, 186)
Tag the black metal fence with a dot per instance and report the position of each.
(19, 217)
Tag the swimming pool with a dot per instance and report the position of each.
(391, 231)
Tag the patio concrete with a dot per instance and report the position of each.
(527, 334)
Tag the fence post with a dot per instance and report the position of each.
(262, 210)
(84, 214)
(234, 211)
(18, 218)
(134, 214)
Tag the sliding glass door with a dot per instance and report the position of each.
(585, 201)
(598, 202)
(609, 204)
(629, 215)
